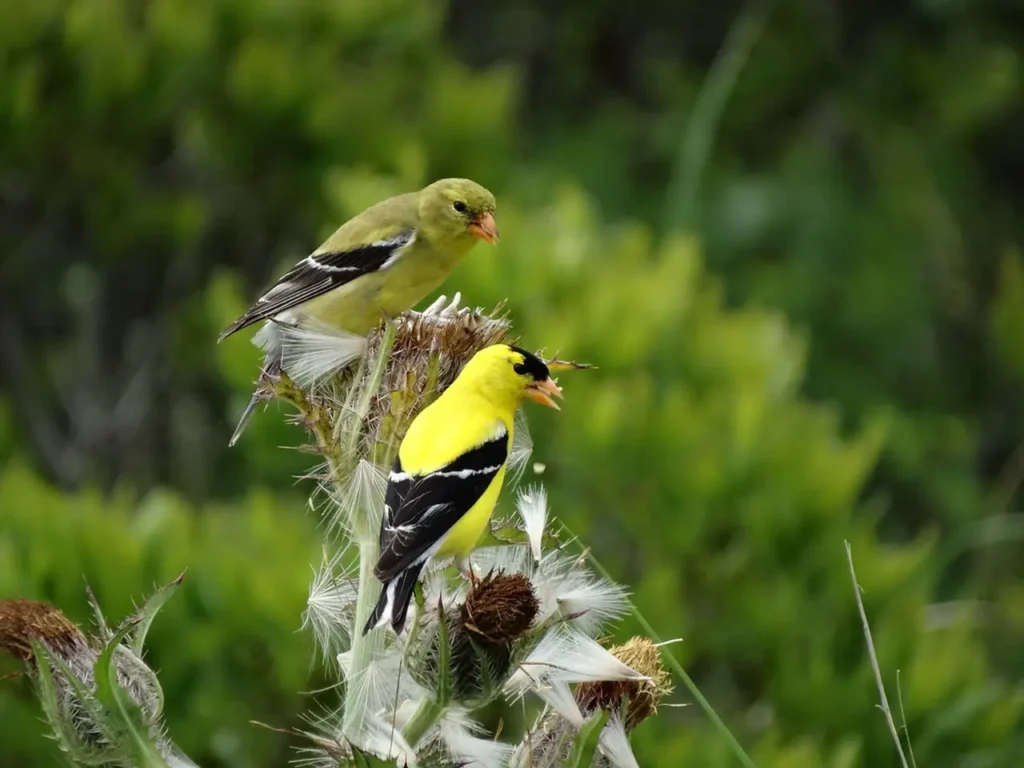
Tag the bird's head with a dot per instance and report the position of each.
(507, 375)
(458, 210)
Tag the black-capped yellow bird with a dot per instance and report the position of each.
(450, 469)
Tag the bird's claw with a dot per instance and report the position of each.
(466, 570)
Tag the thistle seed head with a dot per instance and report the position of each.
(428, 351)
(22, 621)
(642, 696)
(500, 608)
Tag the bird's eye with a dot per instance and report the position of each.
(519, 368)
(460, 206)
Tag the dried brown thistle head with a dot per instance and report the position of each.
(427, 353)
(500, 608)
(453, 335)
(367, 406)
(481, 636)
(22, 621)
(640, 655)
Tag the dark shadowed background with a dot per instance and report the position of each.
(789, 234)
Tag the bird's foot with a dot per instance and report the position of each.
(467, 572)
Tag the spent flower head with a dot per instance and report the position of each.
(103, 703)
(639, 697)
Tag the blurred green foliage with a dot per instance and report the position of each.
(225, 648)
(831, 351)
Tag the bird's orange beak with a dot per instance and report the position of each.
(485, 228)
(542, 392)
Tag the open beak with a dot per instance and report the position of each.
(542, 392)
(485, 228)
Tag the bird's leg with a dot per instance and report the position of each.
(466, 569)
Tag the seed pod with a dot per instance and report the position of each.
(639, 654)
(482, 634)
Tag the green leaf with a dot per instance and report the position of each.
(359, 758)
(149, 611)
(362, 759)
(63, 730)
(80, 750)
(585, 744)
(102, 628)
(131, 719)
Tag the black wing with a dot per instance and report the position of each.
(316, 275)
(420, 509)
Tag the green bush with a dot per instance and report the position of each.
(226, 648)
(689, 462)
(695, 469)
(839, 359)
(147, 145)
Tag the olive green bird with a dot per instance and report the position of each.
(380, 263)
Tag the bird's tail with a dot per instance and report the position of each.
(256, 399)
(393, 604)
(271, 370)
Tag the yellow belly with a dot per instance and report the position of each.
(464, 535)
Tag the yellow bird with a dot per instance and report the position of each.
(450, 469)
(383, 261)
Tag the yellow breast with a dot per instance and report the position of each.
(464, 535)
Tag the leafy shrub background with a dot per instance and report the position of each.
(823, 344)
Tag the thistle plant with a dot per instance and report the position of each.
(521, 627)
(102, 702)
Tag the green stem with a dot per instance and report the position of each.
(432, 709)
(426, 716)
(346, 407)
(314, 417)
(364, 527)
(369, 390)
(691, 686)
(364, 647)
(695, 148)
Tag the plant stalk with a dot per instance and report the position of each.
(706, 115)
(874, 660)
(432, 709)
(364, 647)
(369, 390)
(313, 417)
(426, 716)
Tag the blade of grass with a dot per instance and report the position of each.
(903, 717)
(698, 138)
(874, 658)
